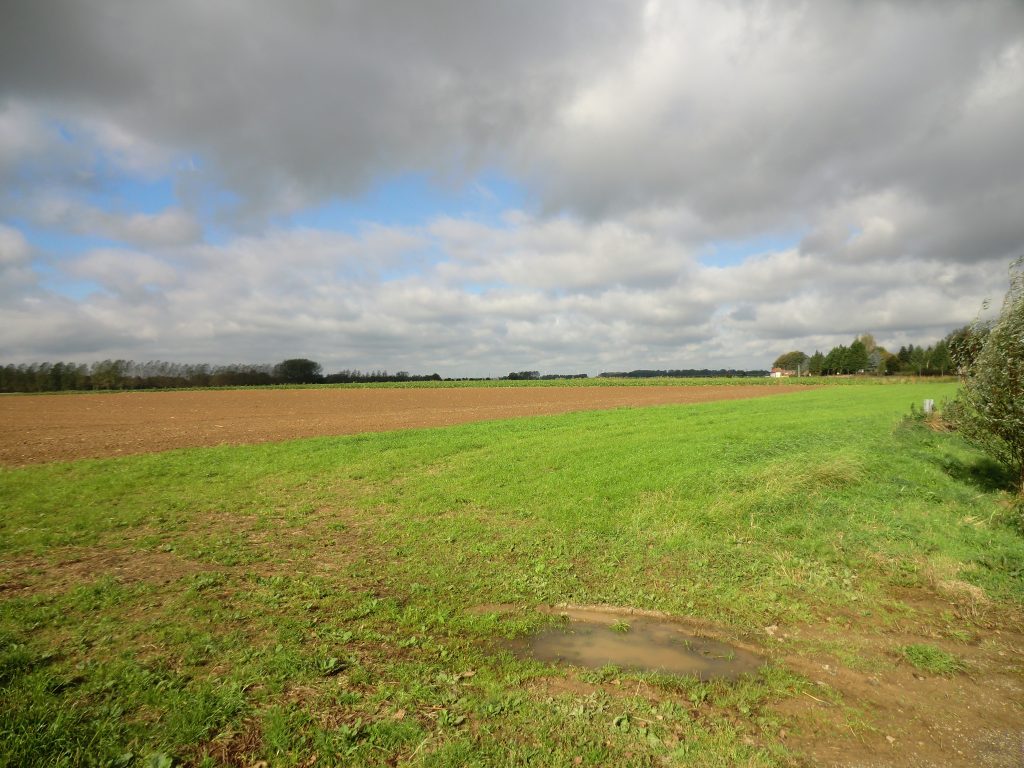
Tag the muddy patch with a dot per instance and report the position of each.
(596, 639)
(68, 567)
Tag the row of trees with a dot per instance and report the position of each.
(357, 377)
(988, 355)
(128, 374)
(535, 376)
(864, 355)
(158, 374)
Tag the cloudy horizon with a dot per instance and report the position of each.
(474, 188)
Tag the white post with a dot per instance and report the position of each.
(929, 406)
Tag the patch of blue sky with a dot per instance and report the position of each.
(59, 243)
(61, 129)
(728, 253)
(134, 195)
(53, 248)
(97, 163)
(95, 178)
(413, 199)
(52, 279)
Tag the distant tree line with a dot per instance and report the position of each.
(523, 376)
(535, 376)
(684, 373)
(355, 377)
(158, 374)
(865, 356)
(128, 374)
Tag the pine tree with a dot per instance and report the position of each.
(857, 357)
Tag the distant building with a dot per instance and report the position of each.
(780, 373)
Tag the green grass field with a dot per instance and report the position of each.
(320, 597)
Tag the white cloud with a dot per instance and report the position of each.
(124, 271)
(320, 294)
(14, 248)
(172, 226)
(128, 151)
(557, 254)
(17, 278)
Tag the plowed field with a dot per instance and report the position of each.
(42, 428)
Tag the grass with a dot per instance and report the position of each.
(228, 605)
(928, 658)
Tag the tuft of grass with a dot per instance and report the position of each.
(928, 658)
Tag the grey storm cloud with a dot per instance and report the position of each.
(746, 112)
(291, 102)
(885, 134)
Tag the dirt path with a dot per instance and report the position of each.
(42, 428)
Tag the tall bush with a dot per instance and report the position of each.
(989, 409)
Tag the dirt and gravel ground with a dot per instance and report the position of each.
(41, 428)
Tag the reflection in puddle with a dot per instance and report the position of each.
(591, 639)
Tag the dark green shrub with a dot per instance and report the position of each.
(989, 410)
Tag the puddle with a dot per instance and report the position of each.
(596, 639)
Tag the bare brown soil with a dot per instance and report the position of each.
(906, 718)
(66, 568)
(41, 428)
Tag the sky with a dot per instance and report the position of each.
(472, 188)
